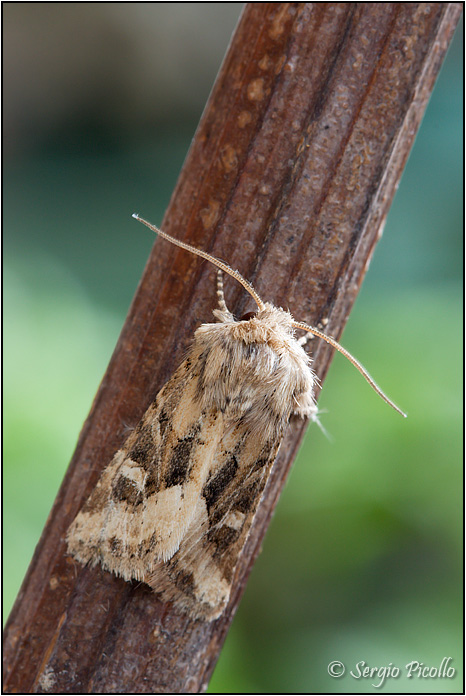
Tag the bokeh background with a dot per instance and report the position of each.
(363, 557)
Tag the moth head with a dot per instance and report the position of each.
(263, 306)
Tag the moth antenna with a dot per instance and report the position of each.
(352, 359)
(220, 264)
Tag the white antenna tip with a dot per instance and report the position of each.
(135, 215)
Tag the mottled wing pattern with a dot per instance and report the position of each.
(198, 577)
(145, 499)
(175, 504)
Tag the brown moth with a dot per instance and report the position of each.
(175, 505)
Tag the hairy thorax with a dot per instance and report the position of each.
(254, 370)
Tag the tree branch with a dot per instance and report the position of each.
(289, 179)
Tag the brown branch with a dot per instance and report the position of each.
(289, 179)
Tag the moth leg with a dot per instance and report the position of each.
(222, 313)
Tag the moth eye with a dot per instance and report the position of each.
(248, 316)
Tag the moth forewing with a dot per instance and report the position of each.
(175, 505)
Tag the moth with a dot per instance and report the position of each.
(175, 505)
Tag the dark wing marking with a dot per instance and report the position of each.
(146, 498)
(198, 577)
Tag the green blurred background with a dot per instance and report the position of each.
(363, 558)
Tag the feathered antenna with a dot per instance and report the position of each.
(297, 324)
